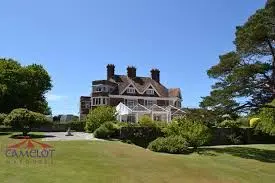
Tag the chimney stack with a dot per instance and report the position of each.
(131, 72)
(110, 71)
(155, 75)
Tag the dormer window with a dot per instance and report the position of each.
(100, 88)
(150, 91)
(131, 90)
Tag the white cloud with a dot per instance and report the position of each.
(53, 97)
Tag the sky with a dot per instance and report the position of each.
(75, 40)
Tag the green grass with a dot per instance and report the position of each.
(98, 161)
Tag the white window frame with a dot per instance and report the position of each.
(131, 90)
(131, 103)
(100, 88)
(149, 103)
(152, 87)
(131, 85)
(98, 101)
(150, 91)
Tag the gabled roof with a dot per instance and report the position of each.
(174, 110)
(140, 108)
(157, 108)
(141, 83)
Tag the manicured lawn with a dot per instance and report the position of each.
(96, 161)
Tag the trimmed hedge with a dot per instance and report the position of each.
(172, 144)
(78, 126)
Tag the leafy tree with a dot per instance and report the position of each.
(98, 116)
(267, 119)
(23, 87)
(208, 117)
(196, 133)
(25, 120)
(2, 117)
(246, 76)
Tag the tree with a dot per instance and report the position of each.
(246, 76)
(267, 119)
(25, 120)
(208, 117)
(23, 87)
(2, 118)
(98, 116)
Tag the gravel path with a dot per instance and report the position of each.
(60, 136)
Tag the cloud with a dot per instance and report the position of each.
(53, 97)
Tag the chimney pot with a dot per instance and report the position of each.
(110, 71)
(155, 75)
(131, 72)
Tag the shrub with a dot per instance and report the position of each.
(161, 124)
(106, 130)
(24, 120)
(2, 118)
(146, 121)
(253, 122)
(267, 119)
(243, 121)
(230, 124)
(194, 132)
(171, 144)
(140, 135)
(98, 116)
(122, 124)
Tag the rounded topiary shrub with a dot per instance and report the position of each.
(106, 130)
(25, 120)
(171, 144)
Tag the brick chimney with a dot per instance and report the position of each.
(155, 75)
(131, 72)
(110, 71)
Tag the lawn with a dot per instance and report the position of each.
(98, 161)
